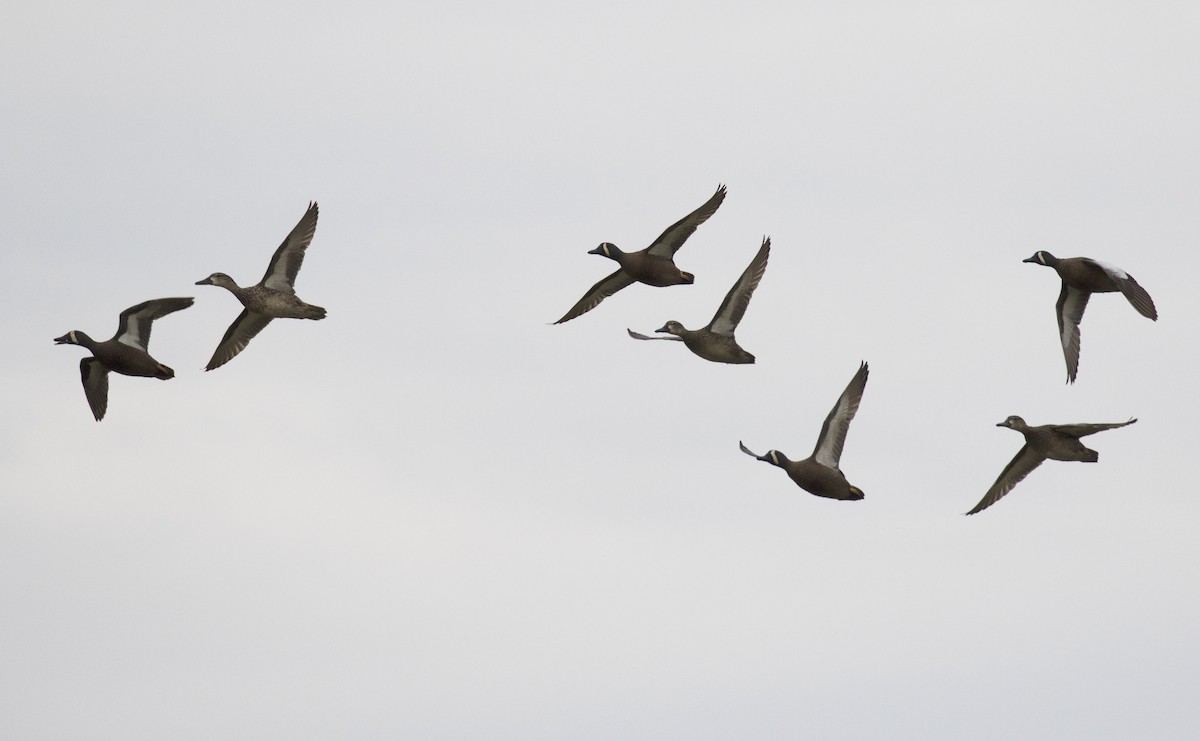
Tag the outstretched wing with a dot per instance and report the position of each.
(95, 385)
(133, 329)
(597, 293)
(1070, 306)
(1133, 292)
(669, 242)
(749, 452)
(1018, 468)
(726, 319)
(244, 328)
(640, 336)
(1083, 430)
(285, 263)
(833, 433)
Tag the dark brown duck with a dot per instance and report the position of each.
(819, 473)
(654, 266)
(126, 353)
(1081, 277)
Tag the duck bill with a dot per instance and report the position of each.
(205, 282)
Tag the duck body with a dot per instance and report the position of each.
(654, 266)
(126, 353)
(118, 357)
(716, 341)
(715, 347)
(1081, 277)
(820, 474)
(274, 297)
(1043, 442)
(266, 301)
(814, 477)
(642, 267)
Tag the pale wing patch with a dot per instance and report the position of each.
(1112, 270)
(828, 451)
(132, 336)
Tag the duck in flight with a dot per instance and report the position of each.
(819, 473)
(126, 353)
(1081, 277)
(1053, 442)
(274, 297)
(654, 266)
(715, 341)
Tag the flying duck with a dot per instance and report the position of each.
(1056, 442)
(126, 353)
(654, 266)
(819, 473)
(274, 297)
(1081, 277)
(715, 341)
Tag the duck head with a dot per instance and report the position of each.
(1041, 257)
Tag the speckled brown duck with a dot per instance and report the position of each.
(126, 353)
(716, 341)
(1053, 442)
(654, 266)
(274, 297)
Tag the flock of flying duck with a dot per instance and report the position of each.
(820, 473)
(274, 297)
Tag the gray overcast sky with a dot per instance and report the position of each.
(433, 515)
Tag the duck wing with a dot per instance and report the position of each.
(285, 263)
(726, 319)
(833, 432)
(244, 328)
(597, 293)
(1070, 306)
(1083, 430)
(95, 385)
(669, 242)
(1134, 293)
(749, 452)
(133, 329)
(1017, 469)
(640, 336)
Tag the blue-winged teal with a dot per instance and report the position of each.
(716, 342)
(654, 266)
(1081, 277)
(1056, 442)
(126, 353)
(274, 297)
(819, 473)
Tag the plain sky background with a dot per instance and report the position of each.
(435, 516)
